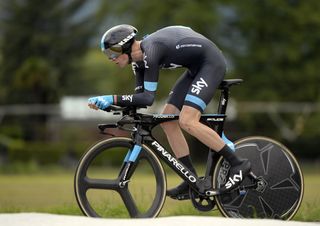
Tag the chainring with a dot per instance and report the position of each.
(201, 202)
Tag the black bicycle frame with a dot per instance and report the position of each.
(141, 132)
(182, 170)
(143, 135)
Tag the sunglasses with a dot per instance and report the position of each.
(113, 52)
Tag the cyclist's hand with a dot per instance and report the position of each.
(100, 102)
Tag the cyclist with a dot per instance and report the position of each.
(172, 47)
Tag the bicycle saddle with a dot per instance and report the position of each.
(225, 84)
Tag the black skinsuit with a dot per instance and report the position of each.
(173, 47)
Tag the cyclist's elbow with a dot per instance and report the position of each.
(149, 99)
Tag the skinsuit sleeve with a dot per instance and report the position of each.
(146, 80)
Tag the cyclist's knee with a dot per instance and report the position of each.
(185, 123)
(189, 118)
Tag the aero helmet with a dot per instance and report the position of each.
(118, 40)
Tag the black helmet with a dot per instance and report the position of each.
(118, 40)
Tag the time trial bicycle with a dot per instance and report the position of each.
(134, 184)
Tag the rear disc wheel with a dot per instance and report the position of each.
(280, 186)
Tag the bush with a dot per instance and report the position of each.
(44, 153)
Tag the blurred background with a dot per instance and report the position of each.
(50, 63)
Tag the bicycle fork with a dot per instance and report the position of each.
(128, 165)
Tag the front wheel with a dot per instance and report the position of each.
(99, 187)
(280, 187)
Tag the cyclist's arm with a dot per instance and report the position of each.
(138, 71)
(146, 95)
(143, 98)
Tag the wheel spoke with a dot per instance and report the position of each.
(101, 184)
(129, 202)
(89, 187)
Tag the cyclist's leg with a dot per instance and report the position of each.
(174, 104)
(174, 133)
(199, 95)
(189, 121)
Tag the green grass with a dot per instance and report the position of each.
(51, 191)
(310, 206)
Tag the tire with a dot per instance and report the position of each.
(96, 181)
(281, 190)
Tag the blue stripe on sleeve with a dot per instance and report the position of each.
(196, 100)
(150, 86)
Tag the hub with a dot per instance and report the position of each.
(261, 184)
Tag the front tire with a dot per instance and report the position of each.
(97, 188)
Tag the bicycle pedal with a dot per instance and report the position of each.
(181, 197)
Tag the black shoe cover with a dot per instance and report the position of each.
(236, 175)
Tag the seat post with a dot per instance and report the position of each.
(222, 108)
(224, 87)
(223, 102)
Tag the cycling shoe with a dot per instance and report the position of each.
(181, 192)
(237, 174)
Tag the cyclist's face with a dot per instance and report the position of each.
(121, 60)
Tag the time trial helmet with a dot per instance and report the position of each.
(118, 40)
